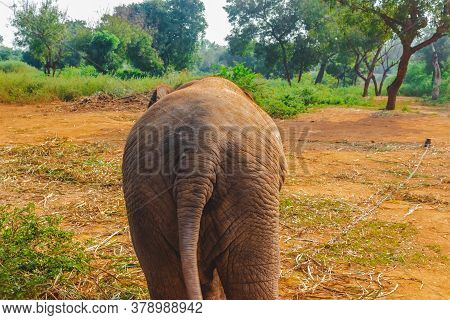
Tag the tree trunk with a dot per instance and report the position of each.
(394, 87)
(285, 64)
(383, 78)
(300, 74)
(375, 84)
(437, 76)
(323, 66)
(366, 87)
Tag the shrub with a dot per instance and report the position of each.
(10, 66)
(240, 75)
(34, 253)
(282, 101)
(417, 82)
(126, 74)
(86, 70)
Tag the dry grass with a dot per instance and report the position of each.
(350, 268)
(81, 183)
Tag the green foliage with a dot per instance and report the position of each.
(142, 55)
(76, 42)
(11, 66)
(240, 75)
(211, 55)
(41, 29)
(102, 52)
(418, 82)
(282, 101)
(270, 24)
(28, 58)
(178, 25)
(135, 45)
(133, 73)
(34, 253)
(87, 71)
(9, 54)
(442, 47)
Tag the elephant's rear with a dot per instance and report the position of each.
(205, 156)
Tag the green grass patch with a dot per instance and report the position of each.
(21, 83)
(375, 243)
(370, 243)
(36, 255)
(315, 213)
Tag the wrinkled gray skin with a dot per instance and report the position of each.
(203, 211)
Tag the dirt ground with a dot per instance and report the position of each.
(361, 157)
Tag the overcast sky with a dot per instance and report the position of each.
(92, 10)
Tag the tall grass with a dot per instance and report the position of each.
(20, 83)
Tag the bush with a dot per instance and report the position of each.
(34, 253)
(282, 101)
(9, 54)
(10, 66)
(419, 83)
(126, 74)
(87, 71)
(239, 74)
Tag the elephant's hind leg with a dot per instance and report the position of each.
(249, 269)
(160, 262)
(164, 276)
(212, 288)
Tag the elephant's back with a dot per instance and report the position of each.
(209, 101)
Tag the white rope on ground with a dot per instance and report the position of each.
(367, 213)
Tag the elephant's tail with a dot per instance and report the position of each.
(192, 193)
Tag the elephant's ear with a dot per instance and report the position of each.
(159, 93)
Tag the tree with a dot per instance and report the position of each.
(41, 29)
(142, 55)
(28, 58)
(340, 68)
(389, 58)
(437, 77)
(76, 43)
(135, 44)
(211, 54)
(9, 53)
(305, 54)
(177, 26)
(436, 58)
(407, 19)
(365, 36)
(310, 47)
(320, 25)
(102, 52)
(267, 22)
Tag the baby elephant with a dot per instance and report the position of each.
(202, 170)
